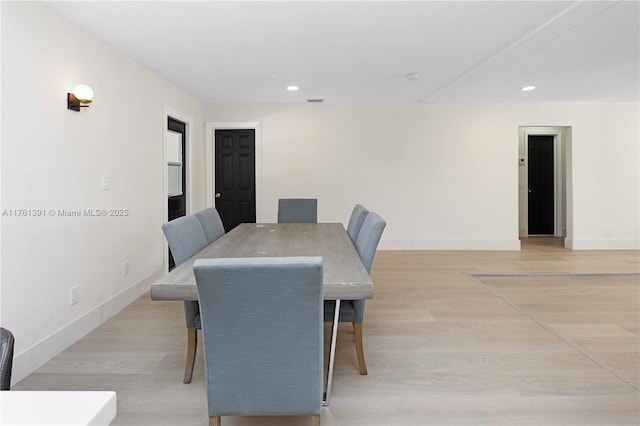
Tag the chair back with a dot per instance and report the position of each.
(355, 222)
(262, 328)
(185, 237)
(6, 358)
(368, 238)
(366, 246)
(297, 210)
(211, 224)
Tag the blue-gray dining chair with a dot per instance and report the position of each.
(186, 237)
(355, 221)
(6, 358)
(353, 310)
(262, 330)
(211, 223)
(297, 210)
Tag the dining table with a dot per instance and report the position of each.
(344, 275)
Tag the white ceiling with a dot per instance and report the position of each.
(358, 51)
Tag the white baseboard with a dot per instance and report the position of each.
(607, 244)
(35, 356)
(449, 245)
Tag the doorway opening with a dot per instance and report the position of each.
(176, 166)
(176, 173)
(543, 187)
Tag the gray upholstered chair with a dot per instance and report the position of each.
(355, 221)
(353, 310)
(211, 223)
(297, 210)
(186, 237)
(6, 358)
(262, 330)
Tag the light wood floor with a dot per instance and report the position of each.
(451, 338)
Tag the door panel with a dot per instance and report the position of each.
(235, 176)
(541, 184)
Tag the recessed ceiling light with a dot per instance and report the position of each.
(528, 88)
(292, 88)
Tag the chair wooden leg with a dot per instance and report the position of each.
(315, 420)
(216, 421)
(192, 343)
(357, 330)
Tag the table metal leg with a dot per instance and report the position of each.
(332, 353)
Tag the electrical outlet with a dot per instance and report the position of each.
(125, 268)
(74, 295)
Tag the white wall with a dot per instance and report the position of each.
(445, 176)
(606, 178)
(53, 158)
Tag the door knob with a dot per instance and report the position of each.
(217, 195)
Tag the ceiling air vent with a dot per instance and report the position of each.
(315, 100)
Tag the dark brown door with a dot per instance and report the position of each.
(541, 184)
(235, 187)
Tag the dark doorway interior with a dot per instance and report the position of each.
(177, 202)
(541, 184)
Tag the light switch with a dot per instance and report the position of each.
(106, 182)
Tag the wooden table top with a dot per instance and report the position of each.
(344, 274)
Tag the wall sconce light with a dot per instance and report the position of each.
(81, 96)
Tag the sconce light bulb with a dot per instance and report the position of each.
(83, 92)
